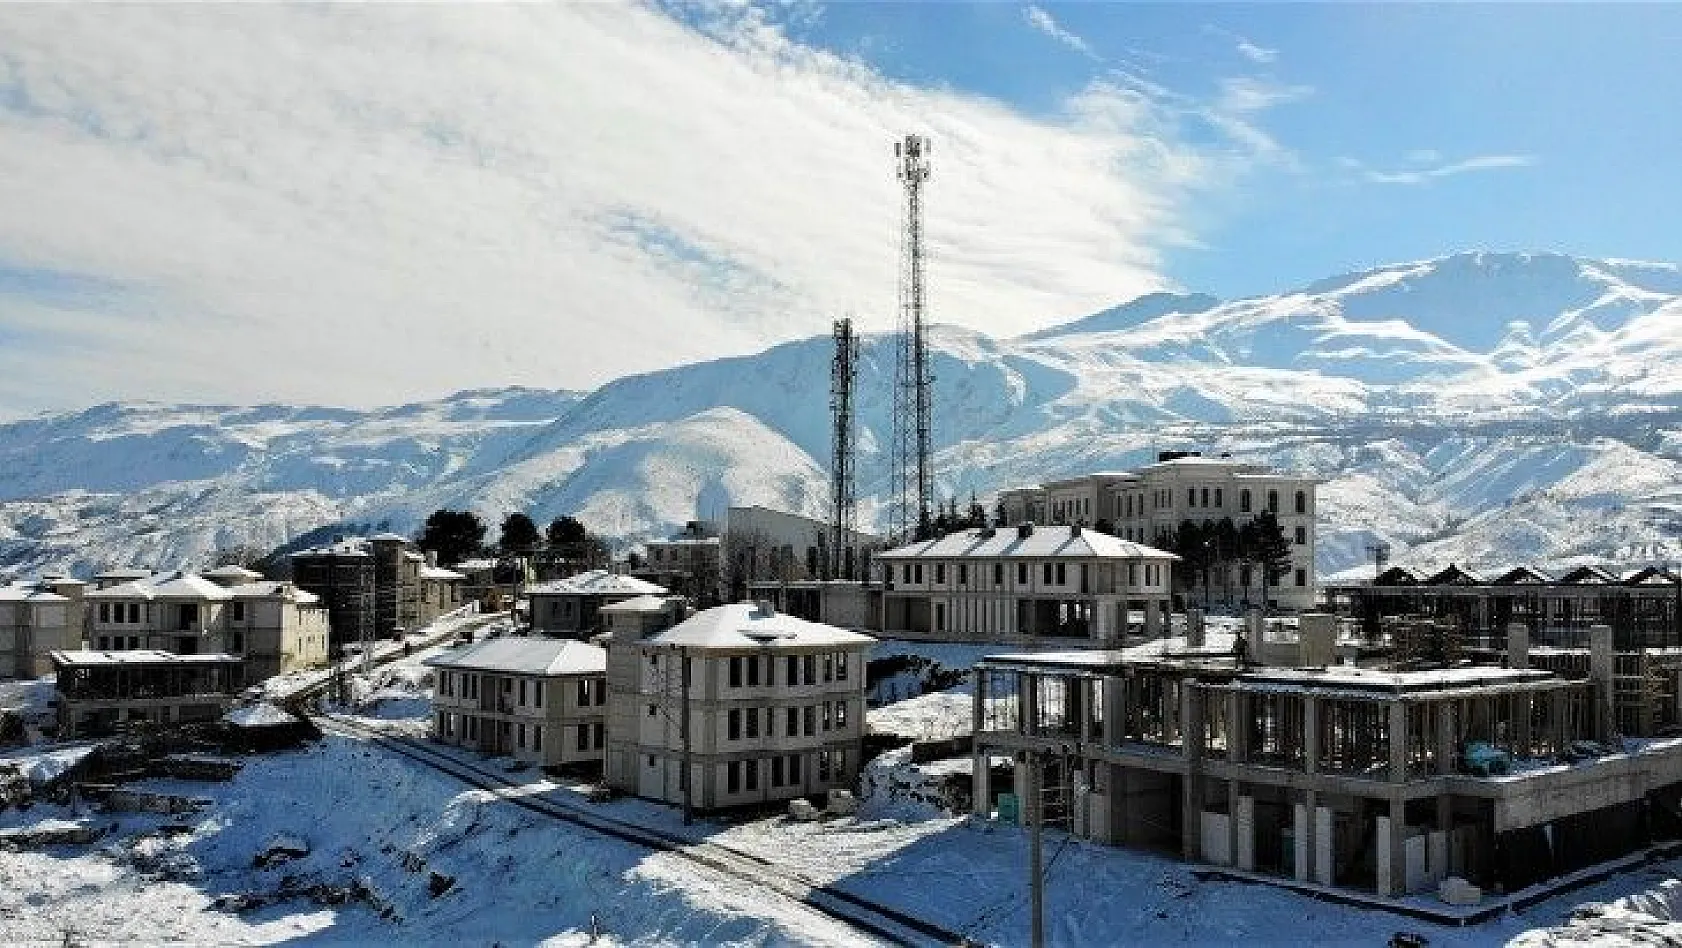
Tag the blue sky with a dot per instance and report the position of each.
(364, 204)
(1580, 96)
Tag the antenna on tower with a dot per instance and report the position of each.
(843, 497)
(1380, 553)
(913, 478)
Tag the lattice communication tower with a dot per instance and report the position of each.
(843, 485)
(912, 485)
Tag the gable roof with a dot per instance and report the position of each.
(29, 592)
(1399, 576)
(642, 604)
(1040, 542)
(1453, 575)
(526, 656)
(1589, 576)
(747, 625)
(1524, 575)
(1649, 576)
(231, 571)
(597, 582)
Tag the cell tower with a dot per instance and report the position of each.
(913, 478)
(843, 495)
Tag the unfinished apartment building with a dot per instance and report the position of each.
(1299, 766)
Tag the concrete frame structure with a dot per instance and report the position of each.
(37, 619)
(1024, 584)
(98, 692)
(1349, 777)
(689, 563)
(377, 586)
(571, 607)
(761, 544)
(764, 706)
(1159, 497)
(542, 701)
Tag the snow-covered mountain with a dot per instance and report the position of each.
(1479, 408)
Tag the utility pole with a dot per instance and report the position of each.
(1036, 824)
(688, 775)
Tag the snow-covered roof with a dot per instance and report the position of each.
(640, 604)
(232, 571)
(349, 546)
(413, 557)
(29, 592)
(389, 537)
(749, 625)
(440, 573)
(125, 573)
(598, 582)
(477, 563)
(270, 590)
(187, 586)
(139, 656)
(527, 656)
(1038, 543)
(131, 590)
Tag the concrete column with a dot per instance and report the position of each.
(1236, 752)
(1234, 804)
(1445, 737)
(1194, 626)
(1029, 703)
(1398, 742)
(1316, 639)
(1601, 663)
(1153, 619)
(1518, 645)
(1392, 850)
(1310, 735)
(1191, 805)
(1302, 838)
(1244, 831)
(1325, 849)
(981, 779)
(1103, 619)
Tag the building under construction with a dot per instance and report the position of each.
(1335, 760)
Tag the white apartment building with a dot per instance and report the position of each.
(1155, 500)
(764, 706)
(1023, 583)
(540, 700)
(275, 627)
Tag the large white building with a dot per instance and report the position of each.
(275, 627)
(773, 705)
(1023, 583)
(540, 700)
(1142, 506)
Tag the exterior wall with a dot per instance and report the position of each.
(346, 586)
(544, 720)
(30, 632)
(760, 544)
(276, 636)
(999, 599)
(742, 750)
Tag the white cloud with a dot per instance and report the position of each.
(1424, 175)
(359, 204)
(1040, 20)
(1256, 54)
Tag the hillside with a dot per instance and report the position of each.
(1478, 408)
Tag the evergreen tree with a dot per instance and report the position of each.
(519, 534)
(565, 530)
(453, 534)
(1271, 550)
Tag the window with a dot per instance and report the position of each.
(753, 671)
(1244, 501)
(963, 574)
(1191, 497)
(238, 611)
(105, 612)
(733, 777)
(809, 717)
(917, 571)
(1133, 574)
(752, 768)
(906, 569)
(841, 667)
(537, 737)
(1301, 535)
(1302, 502)
(537, 694)
(823, 765)
(940, 572)
(1218, 497)
(734, 729)
(811, 669)
(1205, 497)
(520, 735)
(828, 668)
(1273, 501)
(792, 671)
(840, 715)
(596, 730)
(793, 728)
(1022, 574)
(794, 769)
(998, 574)
(1302, 577)
(753, 722)
(653, 660)
(1062, 574)
(104, 643)
(1046, 570)
(652, 710)
(134, 613)
(736, 671)
(583, 737)
(523, 691)
(940, 616)
(826, 717)
(776, 771)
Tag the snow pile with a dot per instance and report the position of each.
(260, 714)
(893, 787)
(44, 768)
(1644, 918)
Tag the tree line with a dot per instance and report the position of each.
(456, 535)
